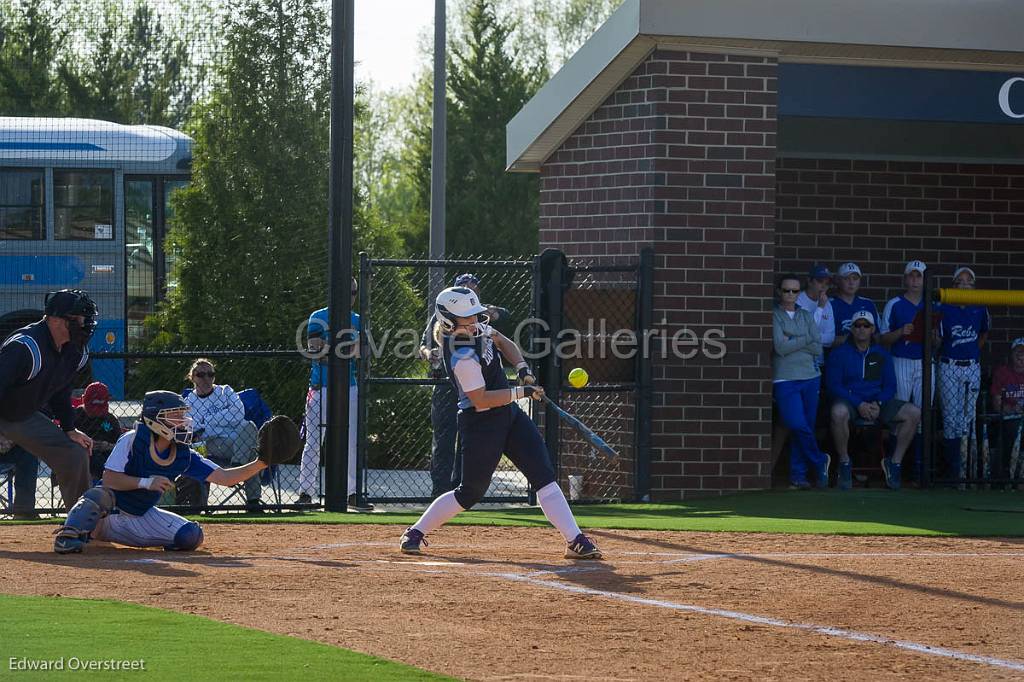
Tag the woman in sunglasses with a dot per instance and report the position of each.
(797, 383)
(220, 423)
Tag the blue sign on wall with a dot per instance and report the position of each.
(901, 94)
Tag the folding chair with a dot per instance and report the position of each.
(6, 484)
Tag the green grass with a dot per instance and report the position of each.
(859, 512)
(174, 646)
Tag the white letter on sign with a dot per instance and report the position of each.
(1004, 97)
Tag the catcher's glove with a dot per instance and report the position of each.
(279, 441)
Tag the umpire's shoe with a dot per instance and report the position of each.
(582, 548)
(411, 541)
(69, 540)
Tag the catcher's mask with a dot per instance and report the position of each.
(166, 414)
(456, 302)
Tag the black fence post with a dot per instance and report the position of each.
(927, 413)
(554, 278)
(363, 370)
(644, 377)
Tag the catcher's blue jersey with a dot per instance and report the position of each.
(135, 454)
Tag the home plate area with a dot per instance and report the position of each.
(493, 603)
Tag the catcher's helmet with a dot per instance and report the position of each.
(458, 302)
(68, 302)
(157, 410)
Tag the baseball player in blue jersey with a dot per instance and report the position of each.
(848, 302)
(142, 466)
(318, 337)
(898, 332)
(963, 330)
(491, 423)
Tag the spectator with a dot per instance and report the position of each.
(815, 301)
(962, 329)
(861, 382)
(315, 426)
(1008, 400)
(797, 382)
(94, 419)
(37, 365)
(848, 302)
(219, 418)
(26, 471)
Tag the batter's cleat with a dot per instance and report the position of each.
(823, 473)
(582, 548)
(411, 541)
(892, 471)
(69, 540)
(845, 479)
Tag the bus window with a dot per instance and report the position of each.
(138, 245)
(83, 204)
(170, 255)
(21, 204)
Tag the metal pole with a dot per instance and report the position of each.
(438, 151)
(927, 431)
(340, 266)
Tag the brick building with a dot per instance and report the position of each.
(743, 138)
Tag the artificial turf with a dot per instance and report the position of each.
(172, 646)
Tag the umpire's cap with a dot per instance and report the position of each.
(69, 302)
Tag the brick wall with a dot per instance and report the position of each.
(881, 214)
(681, 159)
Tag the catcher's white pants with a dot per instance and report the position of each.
(156, 528)
(316, 423)
(959, 387)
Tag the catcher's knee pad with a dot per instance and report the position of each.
(91, 507)
(188, 537)
(468, 494)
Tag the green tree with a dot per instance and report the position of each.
(29, 40)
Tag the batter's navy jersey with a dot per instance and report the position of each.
(898, 312)
(472, 364)
(844, 311)
(135, 454)
(961, 326)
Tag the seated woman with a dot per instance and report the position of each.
(220, 423)
(140, 469)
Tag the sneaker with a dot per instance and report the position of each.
(582, 548)
(69, 540)
(355, 504)
(304, 498)
(411, 541)
(799, 485)
(823, 474)
(845, 480)
(892, 472)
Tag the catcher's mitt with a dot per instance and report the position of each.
(279, 441)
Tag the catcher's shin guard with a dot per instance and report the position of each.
(188, 537)
(95, 504)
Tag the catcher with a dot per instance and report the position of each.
(144, 463)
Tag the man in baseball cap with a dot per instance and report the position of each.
(861, 384)
(915, 266)
(814, 299)
(848, 302)
(95, 420)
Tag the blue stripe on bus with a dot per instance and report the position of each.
(51, 146)
(60, 271)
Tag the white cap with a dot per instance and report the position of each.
(847, 269)
(1017, 343)
(967, 270)
(915, 265)
(862, 315)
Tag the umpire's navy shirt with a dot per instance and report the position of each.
(34, 374)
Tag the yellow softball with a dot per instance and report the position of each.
(578, 377)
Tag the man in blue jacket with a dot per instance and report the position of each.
(861, 382)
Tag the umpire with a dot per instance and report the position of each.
(37, 364)
(446, 450)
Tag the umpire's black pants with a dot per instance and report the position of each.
(68, 460)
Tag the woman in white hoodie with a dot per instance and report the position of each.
(219, 420)
(797, 382)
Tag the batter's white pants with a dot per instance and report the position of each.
(156, 528)
(316, 423)
(959, 387)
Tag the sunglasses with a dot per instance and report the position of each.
(863, 326)
(790, 291)
(204, 375)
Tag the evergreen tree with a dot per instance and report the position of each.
(29, 40)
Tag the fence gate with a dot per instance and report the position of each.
(551, 302)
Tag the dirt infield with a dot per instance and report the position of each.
(500, 603)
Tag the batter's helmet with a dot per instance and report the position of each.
(457, 302)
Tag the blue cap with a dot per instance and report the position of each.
(819, 271)
(464, 279)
